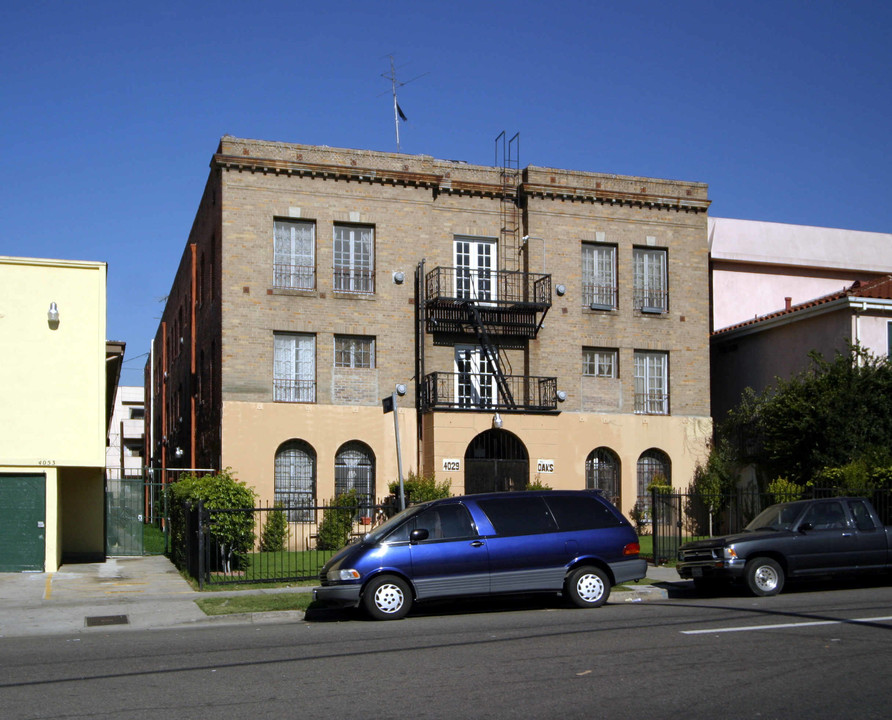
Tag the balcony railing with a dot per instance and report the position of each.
(651, 301)
(355, 281)
(493, 287)
(296, 391)
(652, 403)
(294, 277)
(507, 303)
(463, 391)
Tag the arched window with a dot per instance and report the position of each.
(295, 480)
(355, 470)
(651, 464)
(602, 473)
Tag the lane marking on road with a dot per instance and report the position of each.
(781, 626)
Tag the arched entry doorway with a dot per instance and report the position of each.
(496, 461)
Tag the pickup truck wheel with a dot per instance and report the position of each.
(387, 597)
(764, 576)
(587, 587)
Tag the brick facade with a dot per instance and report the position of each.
(416, 206)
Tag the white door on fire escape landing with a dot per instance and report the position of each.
(475, 263)
(475, 384)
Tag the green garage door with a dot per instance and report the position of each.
(22, 522)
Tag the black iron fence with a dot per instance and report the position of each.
(666, 520)
(260, 545)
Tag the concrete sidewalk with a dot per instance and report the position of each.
(141, 593)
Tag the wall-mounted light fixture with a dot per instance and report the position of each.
(497, 422)
(52, 316)
(399, 277)
(561, 395)
(560, 290)
(178, 452)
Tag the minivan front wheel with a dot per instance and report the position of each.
(587, 587)
(387, 597)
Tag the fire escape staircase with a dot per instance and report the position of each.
(491, 353)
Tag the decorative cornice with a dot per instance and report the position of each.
(447, 185)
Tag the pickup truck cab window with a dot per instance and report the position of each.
(863, 520)
(824, 516)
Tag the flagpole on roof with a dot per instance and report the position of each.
(398, 113)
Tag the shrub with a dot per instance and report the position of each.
(275, 530)
(337, 522)
(232, 532)
(421, 488)
(783, 490)
(537, 484)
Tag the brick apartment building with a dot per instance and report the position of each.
(548, 324)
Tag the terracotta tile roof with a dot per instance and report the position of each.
(879, 288)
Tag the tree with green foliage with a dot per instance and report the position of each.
(275, 530)
(712, 483)
(232, 532)
(782, 490)
(421, 488)
(337, 522)
(832, 414)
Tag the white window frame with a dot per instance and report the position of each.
(650, 283)
(354, 351)
(294, 367)
(599, 289)
(651, 383)
(475, 260)
(475, 381)
(599, 362)
(294, 254)
(353, 249)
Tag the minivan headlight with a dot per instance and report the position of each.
(335, 575)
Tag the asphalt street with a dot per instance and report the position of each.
(819, 651)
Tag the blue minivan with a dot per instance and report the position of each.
(569, 541)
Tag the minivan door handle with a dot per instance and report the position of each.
(477, 543)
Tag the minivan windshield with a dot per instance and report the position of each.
(380, 532)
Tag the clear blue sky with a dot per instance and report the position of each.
(110, 111)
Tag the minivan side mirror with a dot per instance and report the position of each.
(418, 535)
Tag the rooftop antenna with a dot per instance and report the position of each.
(398, 113)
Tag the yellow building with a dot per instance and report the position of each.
(53, 412)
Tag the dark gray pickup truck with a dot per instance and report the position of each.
(794, 539)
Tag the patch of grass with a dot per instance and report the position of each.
(153, 540)
(255, 603)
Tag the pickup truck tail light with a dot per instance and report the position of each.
(632, 549)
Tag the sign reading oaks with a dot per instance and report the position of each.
(545, 466)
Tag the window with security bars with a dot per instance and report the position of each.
(652, 383)
(354, 250)
(599, 362)
(355, 470)
(295, 480)
(599, 276)
(602, 473)
(354, 351)
(650, 291)
(653, 465)
(294, 254)
(294, 368)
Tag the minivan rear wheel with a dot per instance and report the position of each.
(587, 587)
(387, 597)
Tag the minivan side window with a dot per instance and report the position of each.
(581, 513)
(445, 522)
(518, 515)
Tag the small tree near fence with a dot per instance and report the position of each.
(231, 533)
(275, 530)
(337, 522)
